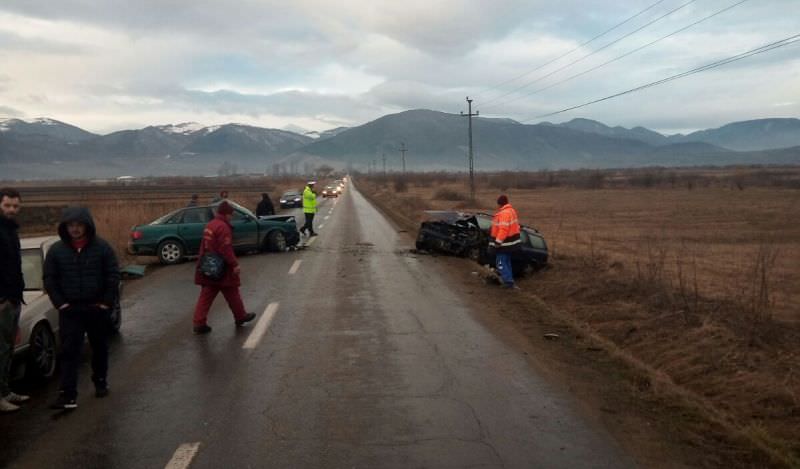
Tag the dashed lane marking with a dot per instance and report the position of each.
(321, 226)
(311, 241)
(183, 456)
(326, 217)
(261, 327)
(295, 267)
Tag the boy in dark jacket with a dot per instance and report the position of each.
(82, 278)
(265, 207)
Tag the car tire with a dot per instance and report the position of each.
(116, 317)
(276, 241)
(473, 253)
(42, 353)
(421, 245)
(170, 252)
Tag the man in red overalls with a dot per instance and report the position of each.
(218, 238)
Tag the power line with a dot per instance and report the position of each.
(719, 12)
(489, 88)
(674, 10)
(759, 50)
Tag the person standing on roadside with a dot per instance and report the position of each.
(12, 285)
(309, 208)
(193, 201)
(505, 236)
(265, 207)
(223, 195)
(218, 239)
(82, 277)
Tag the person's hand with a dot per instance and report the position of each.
(237, 269)
(63, 307)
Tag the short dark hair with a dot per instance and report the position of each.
(502, 200)
(9, 192)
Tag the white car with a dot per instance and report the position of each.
(36, 344)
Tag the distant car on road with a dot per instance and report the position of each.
(178, 234)
(290, 199)
(330, 191)
(467, 235)
(36, 346)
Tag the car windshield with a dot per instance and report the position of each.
(289, 195)
(32, 268)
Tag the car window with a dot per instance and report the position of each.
(239, 216)
(537, 242)
(196, 215)
(484, 223)
(32, 268)
(168, 219)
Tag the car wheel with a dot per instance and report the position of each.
(420, 244)
(170, 252)
(473, 253)
(116, 318)
(42, 353)
(276, 241)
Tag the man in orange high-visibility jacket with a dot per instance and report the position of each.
(505, 239)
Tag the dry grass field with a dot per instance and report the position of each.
(117, 208)
(693, 277)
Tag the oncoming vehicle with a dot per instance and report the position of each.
(330, 191)
(36, 346)
(291, 198)
(467, 235)
(178, 234)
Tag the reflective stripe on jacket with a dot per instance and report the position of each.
(505, 228)
(309, 201)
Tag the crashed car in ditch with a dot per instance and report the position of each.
(467, 235)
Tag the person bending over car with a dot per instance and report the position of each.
(81, 275)
(505, 238)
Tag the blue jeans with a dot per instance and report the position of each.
(504, 268)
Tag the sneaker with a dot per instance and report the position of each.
(101, 388)
(64, 403)
(16, 398)
(247, 318)
(510, 286)
(312, 235)
(6, 406)
(204, 329)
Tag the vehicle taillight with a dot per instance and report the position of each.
(137, 235)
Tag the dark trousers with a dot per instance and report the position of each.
(73, 324)
(9, 319)
(309, 226)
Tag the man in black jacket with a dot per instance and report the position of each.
(11, 287)
(265, 206)
(82, 278)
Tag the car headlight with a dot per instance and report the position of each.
(283, 201)
(297, 199)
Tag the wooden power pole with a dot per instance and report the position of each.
(469, 115)
(403, 151)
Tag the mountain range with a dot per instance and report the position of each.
(47, 148)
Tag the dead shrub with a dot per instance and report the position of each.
(450, 195)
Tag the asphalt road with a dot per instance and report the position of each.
(363, 356)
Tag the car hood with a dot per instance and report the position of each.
(32, 295)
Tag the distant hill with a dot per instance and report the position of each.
(435, 141)
(753, 135)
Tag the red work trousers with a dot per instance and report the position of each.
(207, 295)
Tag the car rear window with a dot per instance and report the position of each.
(537, 242)
(32, 268)
(196, 215)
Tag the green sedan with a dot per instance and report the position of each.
(178, 234)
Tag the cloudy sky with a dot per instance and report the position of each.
(114, 64)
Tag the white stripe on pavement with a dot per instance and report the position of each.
(321, 226)
(261, 327)
(326, 217)
(183, 456)
(311, 241)
(295, 267)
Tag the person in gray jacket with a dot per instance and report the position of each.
(82, 277)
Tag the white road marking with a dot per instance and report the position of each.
(261, 326)
(311, 241)
(326, 217)
(295, 267)
(321, 226)
(183, 456)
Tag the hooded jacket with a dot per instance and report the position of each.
(309, 200)
(505, 229)
(218, 238)
(12, 283)
(84, 277)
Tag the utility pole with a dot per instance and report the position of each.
(403, 151)
(384, 164)
(469, 115)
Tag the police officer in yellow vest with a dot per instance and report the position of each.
(309, 208)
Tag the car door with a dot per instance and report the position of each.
(245, 231)
(190, 229)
